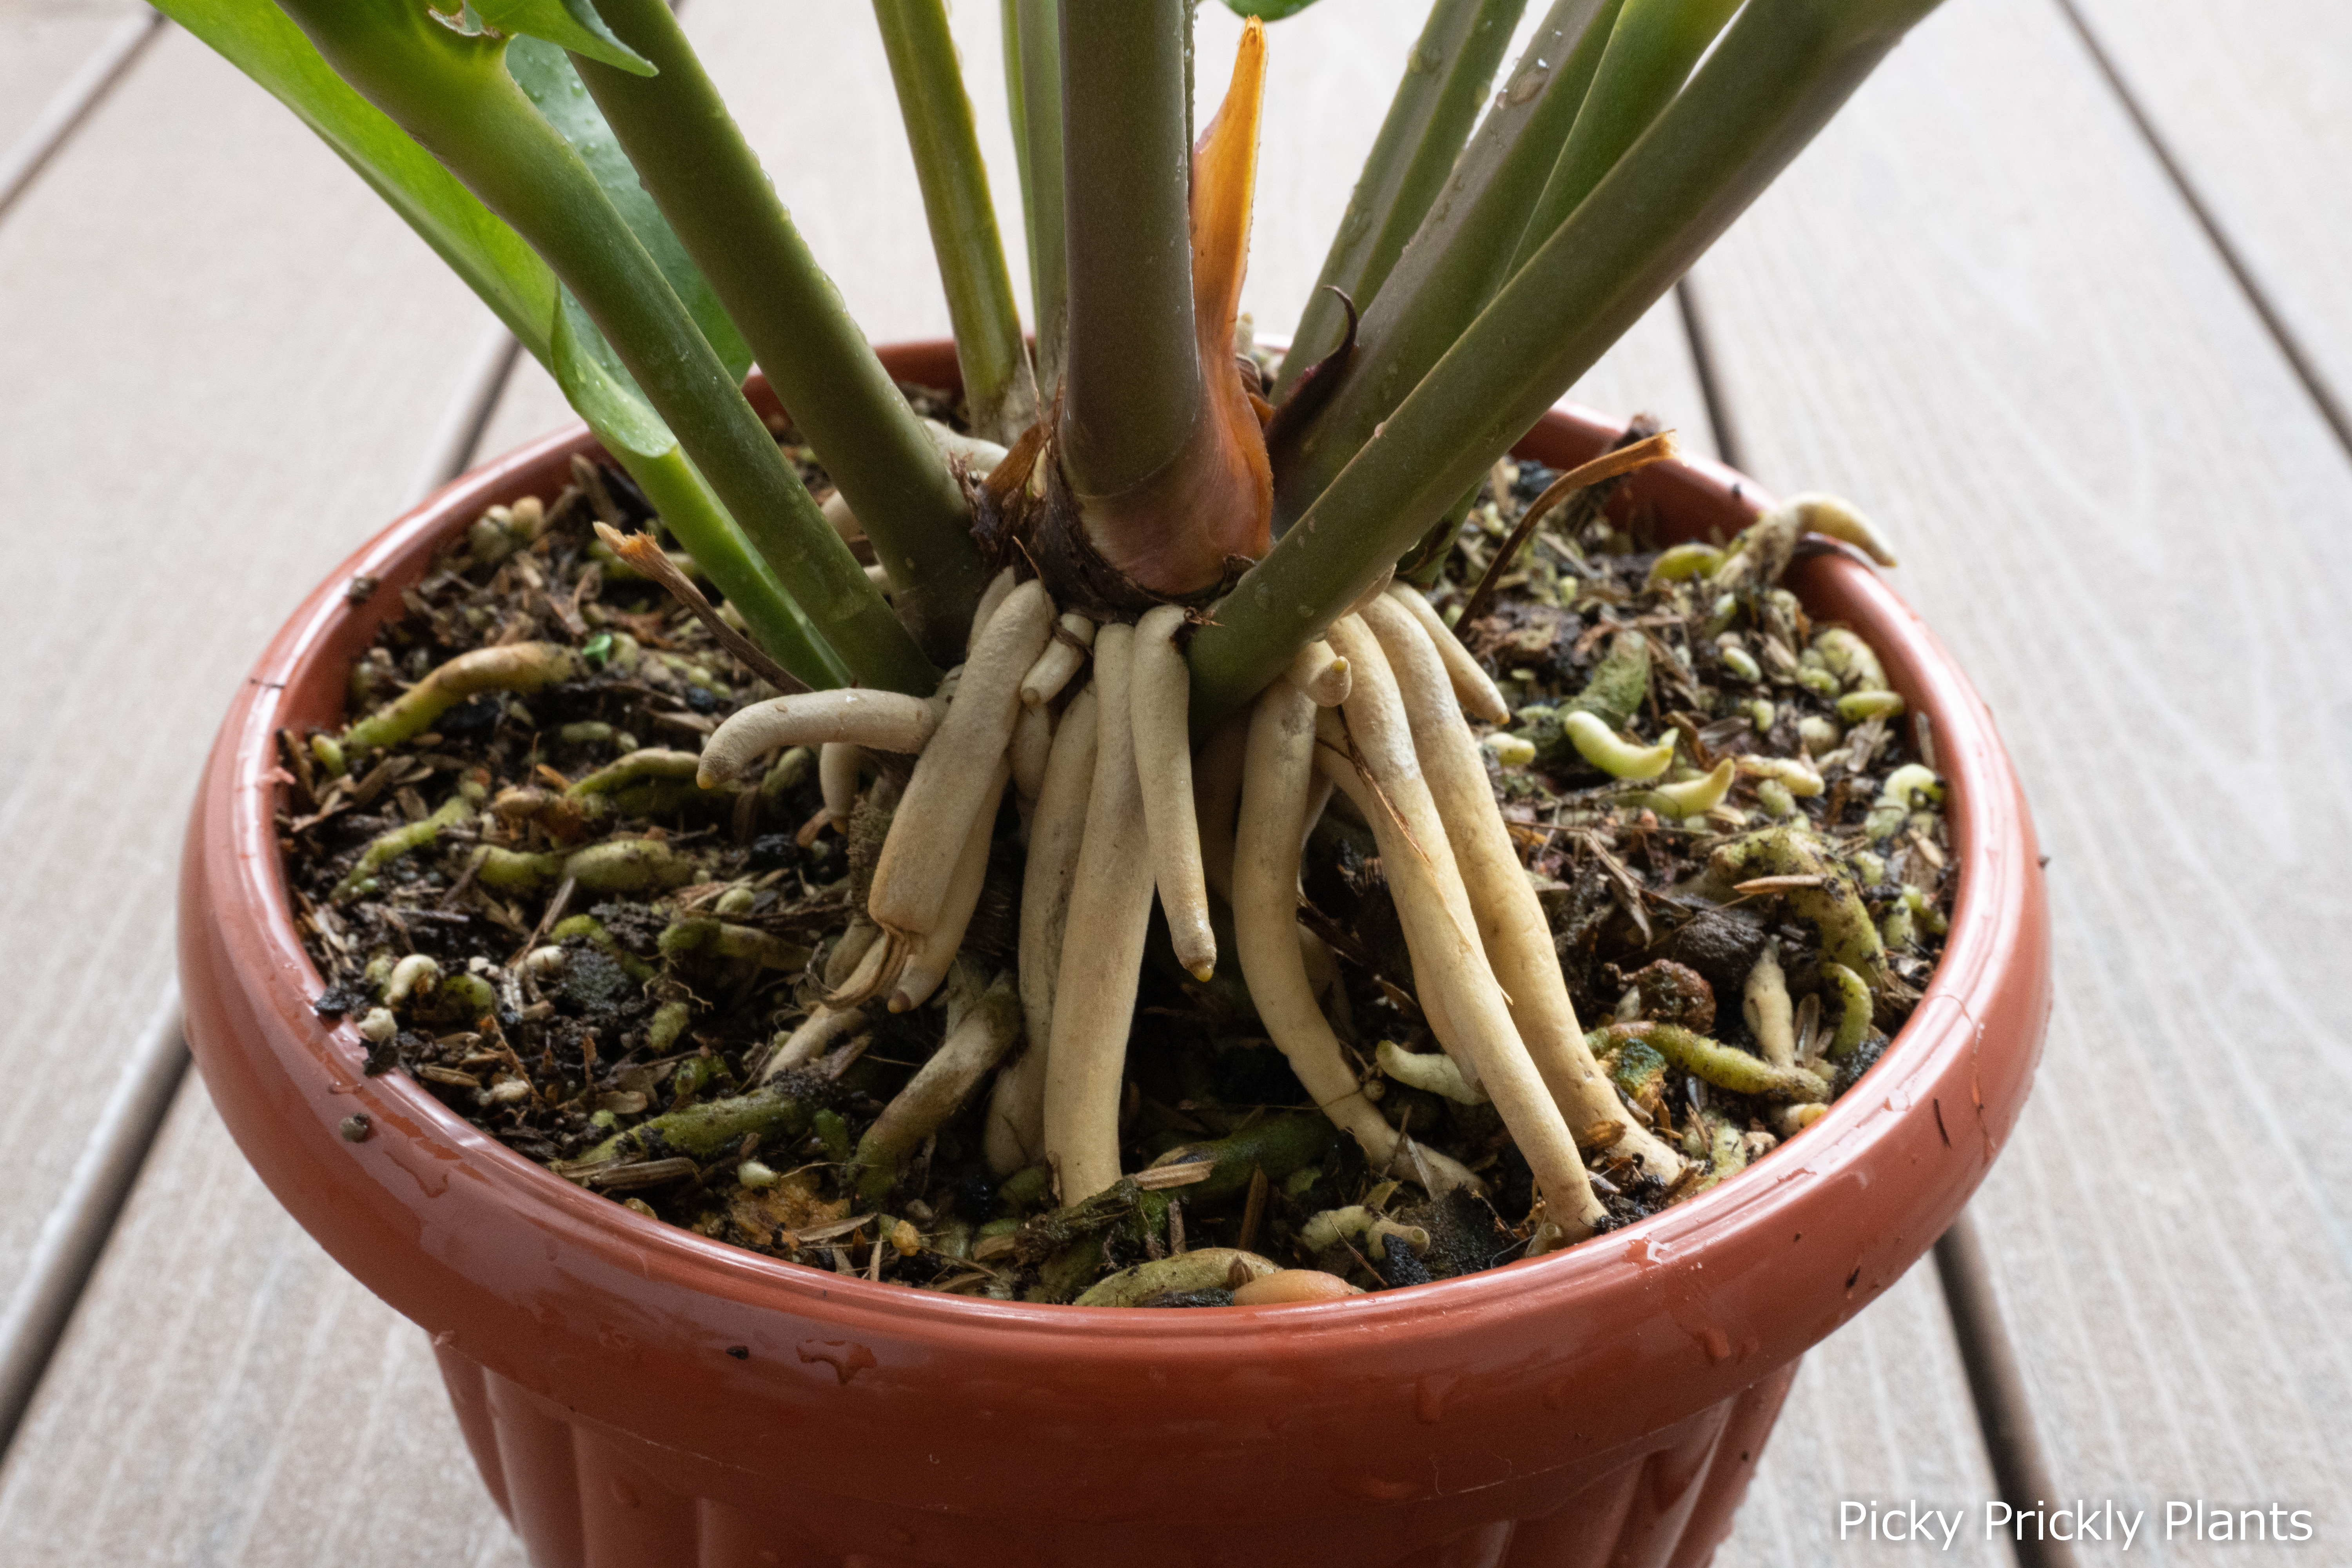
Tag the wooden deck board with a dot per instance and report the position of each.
(2250, 102)
(2118, 505)
(203, 421)
(42, 44)
(1874, 1418)
(280, 1414)
(233, 1397)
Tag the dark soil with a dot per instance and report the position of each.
(556, 1057)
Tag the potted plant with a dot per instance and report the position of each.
(635, 1391)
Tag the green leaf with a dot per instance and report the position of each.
(1267, 10)
(544, 73)
(600, 387)
(570, 23)
(258, 39)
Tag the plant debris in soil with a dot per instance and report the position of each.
(521, 895)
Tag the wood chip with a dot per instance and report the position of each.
(627, 1177)
(1756, 886)
(1160, 1178)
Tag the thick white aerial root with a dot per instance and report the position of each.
(823, 1029)
(1015, 1131)
(1102, 947)
(878, 720)
(1512, 926)
(1064, 657)
(1117, 805)
(1161, 703)
(1277, 782)
(943, 798)
(1032, 746)
(1320, 673)
(929, 955)
(1472, 684)
(1450, 966)
(838, 765)
(983, 1025)
(1000, 588)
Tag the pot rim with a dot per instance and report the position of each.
(2000, 894)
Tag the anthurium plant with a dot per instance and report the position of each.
(1143, 616)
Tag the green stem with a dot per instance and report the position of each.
(997, 383)
(1445, 81)
(1134, 390)
(1780, 72)
(1033, 69)
(1651, 50)
(453, 94)
(1457, 258)
(693, 157)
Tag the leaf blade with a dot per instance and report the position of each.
(546, 76)
(259, 40)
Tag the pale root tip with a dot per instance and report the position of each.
(1205, 973)
(1837, 518)
(707, 777)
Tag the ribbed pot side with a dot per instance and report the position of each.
(638, 1396)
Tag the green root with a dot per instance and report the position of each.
(653, 765)
(516, 667)
(1718, 1064)
(1908, 788)
(714, 1128)
(1277, 1145)
(1683, 562)
(1853, 661)
(516, 870)
(1714, 1139)
(1689, 798)
(1613, 694)
(669, 1021)
(1856, 706)
(1854, 1010)
(833, 1133)
(630, 865)
(616, 866)
(717, 939)
(1831, 902)
(386, 848)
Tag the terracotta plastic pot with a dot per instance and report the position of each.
(635, 1394)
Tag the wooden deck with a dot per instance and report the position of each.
(2064, 298)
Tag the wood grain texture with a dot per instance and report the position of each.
(2249, 100)
(1979, 308)
(223, 359)
(228, 1394)
(1874, 1418)
(42, 44)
